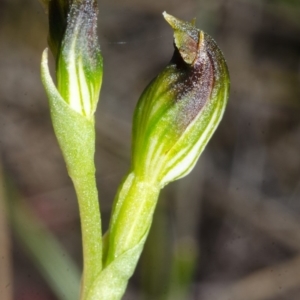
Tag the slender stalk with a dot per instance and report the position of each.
(131, 219)
(87, 195)
(132, 214)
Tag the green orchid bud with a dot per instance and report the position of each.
(174, 119)
(74, 43)
(181, 108)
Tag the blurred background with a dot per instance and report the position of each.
(228, 231)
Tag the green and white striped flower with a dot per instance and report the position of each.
(74, 44)
(181, 108)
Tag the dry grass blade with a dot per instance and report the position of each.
(5, 247)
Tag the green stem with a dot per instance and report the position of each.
(123, 244)
(87, 195)
(132, 215)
